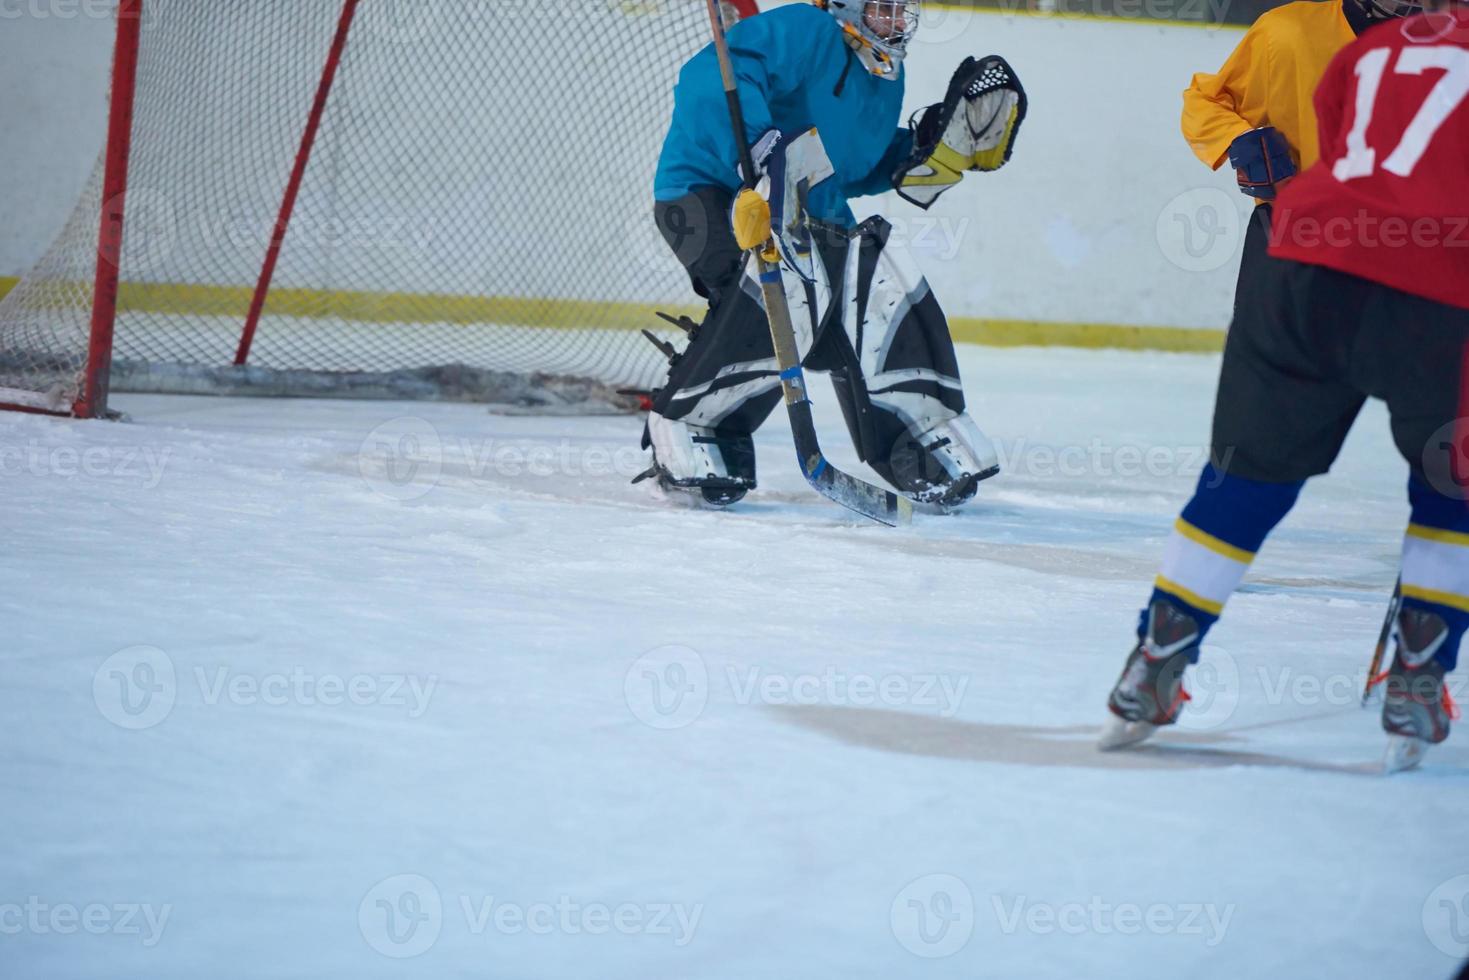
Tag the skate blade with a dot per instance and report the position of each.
(687, 498)
(1118, 733)
(1404, 752)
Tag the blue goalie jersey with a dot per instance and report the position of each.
(794, 71)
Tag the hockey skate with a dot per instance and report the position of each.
(945, 465)
(1150, 692)
(1416, 706)
(715, 469)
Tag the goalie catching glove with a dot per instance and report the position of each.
(974, 128)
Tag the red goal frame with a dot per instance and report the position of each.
(92, 396)
(92, 388)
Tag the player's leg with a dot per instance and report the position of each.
(1283, 408)
(724, 383)
(1254, 253)
(895, 373)
(1413, 355)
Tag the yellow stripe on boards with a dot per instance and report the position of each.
(1215, 545)
(366, 307)
(1045, 333)
(234, 301)
(1451, 599)
(1425, 533)
(1192, 598)
(1012, 8)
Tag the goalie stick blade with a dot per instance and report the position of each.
(872, 502)
(875, 503)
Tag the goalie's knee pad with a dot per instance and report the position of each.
(718, 466)
(944, 463)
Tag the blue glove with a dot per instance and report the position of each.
(1261, 159)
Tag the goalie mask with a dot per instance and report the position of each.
(878, 30)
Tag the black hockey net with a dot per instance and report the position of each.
(475, 212)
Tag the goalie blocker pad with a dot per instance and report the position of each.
(973, 128)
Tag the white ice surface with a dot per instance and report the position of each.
(249, 541)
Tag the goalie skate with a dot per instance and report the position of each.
(944, 465)
(715, 468)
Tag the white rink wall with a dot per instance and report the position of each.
(1103, 216)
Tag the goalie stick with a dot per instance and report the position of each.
(883, 506)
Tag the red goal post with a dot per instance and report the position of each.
(365, 198)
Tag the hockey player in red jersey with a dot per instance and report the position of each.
(1365, 293)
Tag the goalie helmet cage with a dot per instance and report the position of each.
(365, 198)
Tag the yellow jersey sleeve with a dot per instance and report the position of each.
(1268, 80)
(1219, 108)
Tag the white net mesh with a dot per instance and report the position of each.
(478, 201)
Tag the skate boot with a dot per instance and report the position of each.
(1150, 692)
(714, 468)
(1416, 706)
(945, 464)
